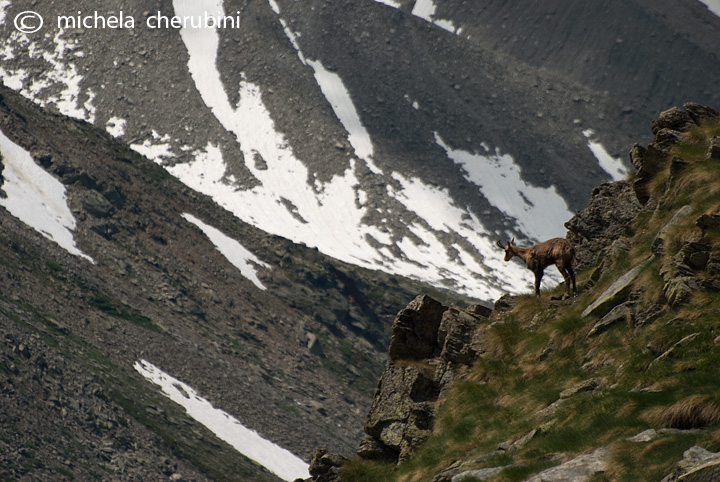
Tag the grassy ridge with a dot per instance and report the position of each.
(656, 371)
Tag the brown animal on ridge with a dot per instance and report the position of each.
(557, 251)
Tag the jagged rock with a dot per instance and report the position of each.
(658, 244)
(480, 474)
(455, 336)
(433, 339)
(645, 436)
(325, 466)
(697, 465)
(415, 330)
(616, 293)
(708, 221)
(651, 162)
(372, 449)
(578, 469)
(666, 138)
(313, 345)
(584, 386)
(674, 118)
(611, 209)
(398, 418)
(616, 315)
(505, 303)
(700, 113)
(713, 152)
(679, 290)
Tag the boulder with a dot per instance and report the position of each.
(617, 293)
(675, 119)
(578, 469)
(455, 336)
(713, 152)
(700, 113)
(325, 466)
(697, 465)
(96, 204)
(400, 417)
(658, 244)
(607, 217)
(414, 335)
(618, 314)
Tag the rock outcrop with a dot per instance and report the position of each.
(430, 344)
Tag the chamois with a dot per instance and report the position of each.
(557, 251)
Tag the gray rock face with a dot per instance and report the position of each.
(605, 219)
(616, 293)
(436, 339)
(415, 330)
(578, 469)
(674, 118)
(697, 465)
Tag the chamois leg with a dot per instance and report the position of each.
(572, 276)
(566, 277)
(538, 279)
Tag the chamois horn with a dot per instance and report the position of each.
(500, 245)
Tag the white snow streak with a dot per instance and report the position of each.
(390, 3)
(612, 165)
(339, 98)
(36, 197)
(540, 212)
(276, 459)
(425, 9)
(329, 216)
(235, 252)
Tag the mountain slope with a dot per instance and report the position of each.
(286, 340)
(616, 384)
(421, 132)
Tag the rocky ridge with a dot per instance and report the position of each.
(434, 346)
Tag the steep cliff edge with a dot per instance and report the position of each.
(619, 383)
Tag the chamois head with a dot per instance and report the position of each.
(509, 252)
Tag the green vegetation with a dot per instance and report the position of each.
(656, 370)
(103, 303)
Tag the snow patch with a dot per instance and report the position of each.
(390, 3)
(540, 212)
(59, 76)
(289, 201)
(157, 149)
(276, 459)
(713, 6)
(233, 251)
(116, 126)
(425, 9)
(614, 166)
(36, 198)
